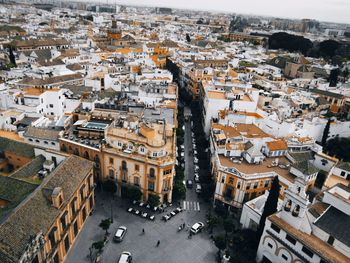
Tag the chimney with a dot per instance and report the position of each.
(57, 197)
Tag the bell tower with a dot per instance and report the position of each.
(114, 33)
(295, 205)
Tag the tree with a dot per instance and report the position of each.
(229, 226)
(333, 77)
(12, 57)
(99, 245)
(105, 224)
(326, 132)
(328, 48)
(110, 186)
(133, 193)
(188, 38)
(220, 242)
(338, 147)
(212, 222)
(270, 204)
(179, 190)
(153, 200)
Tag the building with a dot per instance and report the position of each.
(245, 160)
(305, 232)
(141, 152)
(48, 217)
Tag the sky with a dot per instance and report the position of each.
(323, 10)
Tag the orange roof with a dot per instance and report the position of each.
(278, 145)
(228, 130)
(213, 94)
(250, 130)
(37, 91)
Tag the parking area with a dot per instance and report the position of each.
(175, 246)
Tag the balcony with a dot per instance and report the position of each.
(125, 169)
(166, 190)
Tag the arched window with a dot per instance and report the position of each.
(124, 166)
(76, 151)
(151, 172)
(64, 148)
(86, 155)
(296, 210)
(288, 206)
(111, 174)
(97, 161)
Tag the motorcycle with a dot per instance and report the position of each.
(180, 228)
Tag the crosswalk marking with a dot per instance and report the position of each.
(191, 205)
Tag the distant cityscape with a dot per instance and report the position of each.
(154, 134)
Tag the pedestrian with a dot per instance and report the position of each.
(158, 243)
(143, 231)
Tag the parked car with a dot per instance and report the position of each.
(173, 213)
(166, 217)
(130, 210)
(198, 188)
(197, 227)
(179, 209)
(144, 215)
(196, 177)
(120, 234)
(141, 204)
(196, 168)
(135, 202)
(189, 183)
(136, 212)
(151, 217)
(125, 257)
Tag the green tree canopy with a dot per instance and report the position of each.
(153, 200)
(105, 224)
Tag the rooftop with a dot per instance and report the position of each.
(265, 167)
(326, 251)
(68, 175)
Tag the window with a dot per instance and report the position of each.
(266, 184)
(342, 173)
(124, 165)
(291, 239)
(168, 171)
(255, 185)
(52, 237)
(137, 167)
(120, 144)
(307, 252)
(330, 240)
(37, 141)
(150, 186)
(72, 205)
(51, 105)
(151, 172)
(269, 245)
(154, 154)
(275, 228)
(46, 142)
(63, 221)
(238, 185)
(284, 257)
(30, 139)
(52, 143)
(66, 243)
(110, 160)
(111, 174)
(82, 193)
(142, 149)
(137, 181)
(247, 186)
(230, 180)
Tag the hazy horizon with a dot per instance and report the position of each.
(323, 10)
